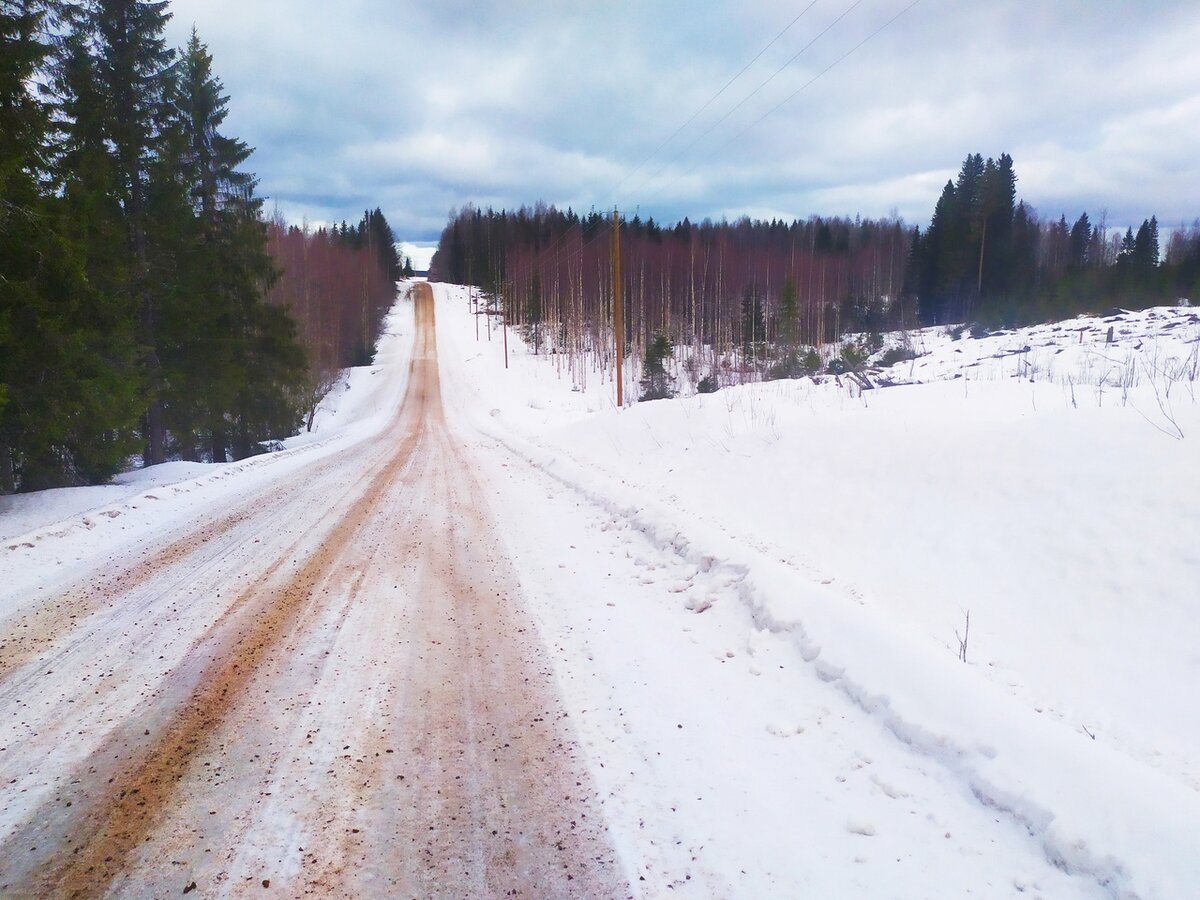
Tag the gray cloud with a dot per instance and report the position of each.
(420, 107)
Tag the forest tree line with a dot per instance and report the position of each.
(745, 295)
(986, 257)
(142, 313)
(759, 299)
(337, 284)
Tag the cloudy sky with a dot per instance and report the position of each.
(420, 107)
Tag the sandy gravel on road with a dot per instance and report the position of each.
(347, 698)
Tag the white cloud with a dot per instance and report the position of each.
(422, 107)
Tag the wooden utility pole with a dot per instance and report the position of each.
(618, 317)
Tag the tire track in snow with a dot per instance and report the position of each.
(100, 830)
(518, 823)
(105, 828)
(33, 631)
(660, 528)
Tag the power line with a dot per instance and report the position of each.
(798, 91)
(807, 84)
(709, 102)
(554, 244)
(577, 252)
(741, 102)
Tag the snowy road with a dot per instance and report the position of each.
(482, 633)
(330, 687)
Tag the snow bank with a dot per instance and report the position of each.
(47, 536)
(863, 526)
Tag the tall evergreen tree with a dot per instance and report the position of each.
(787, 338)
(962, 245)
(1145, 246)
(935, 259)
(196, 170)
(65, 392)
(237, 360)
(994, 228)
(134, 265)
(134, 68)
(1081, 241)
(1025, 242)
(754, 325)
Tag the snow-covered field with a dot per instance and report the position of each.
(769, 651)
(753, 603)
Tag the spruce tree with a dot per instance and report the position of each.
(656, 383)
(134, 67)
(239, 365)
(1147, 246)
(994, 231)
(936, 263)
(1081, 240)
(1025, 242)
(754, 325)
(788, 334)
(67, 392)
(198, 331)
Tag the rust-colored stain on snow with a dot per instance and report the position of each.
(368, 713)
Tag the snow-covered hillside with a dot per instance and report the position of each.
(823, 546)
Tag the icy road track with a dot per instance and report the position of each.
(329, 688)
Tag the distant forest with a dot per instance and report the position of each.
(986, 257)
(147, 309)
(757, 299)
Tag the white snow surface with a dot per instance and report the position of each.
(777, 622)
(752, 600)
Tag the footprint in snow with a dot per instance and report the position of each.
(699, 604)
(860, 826)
